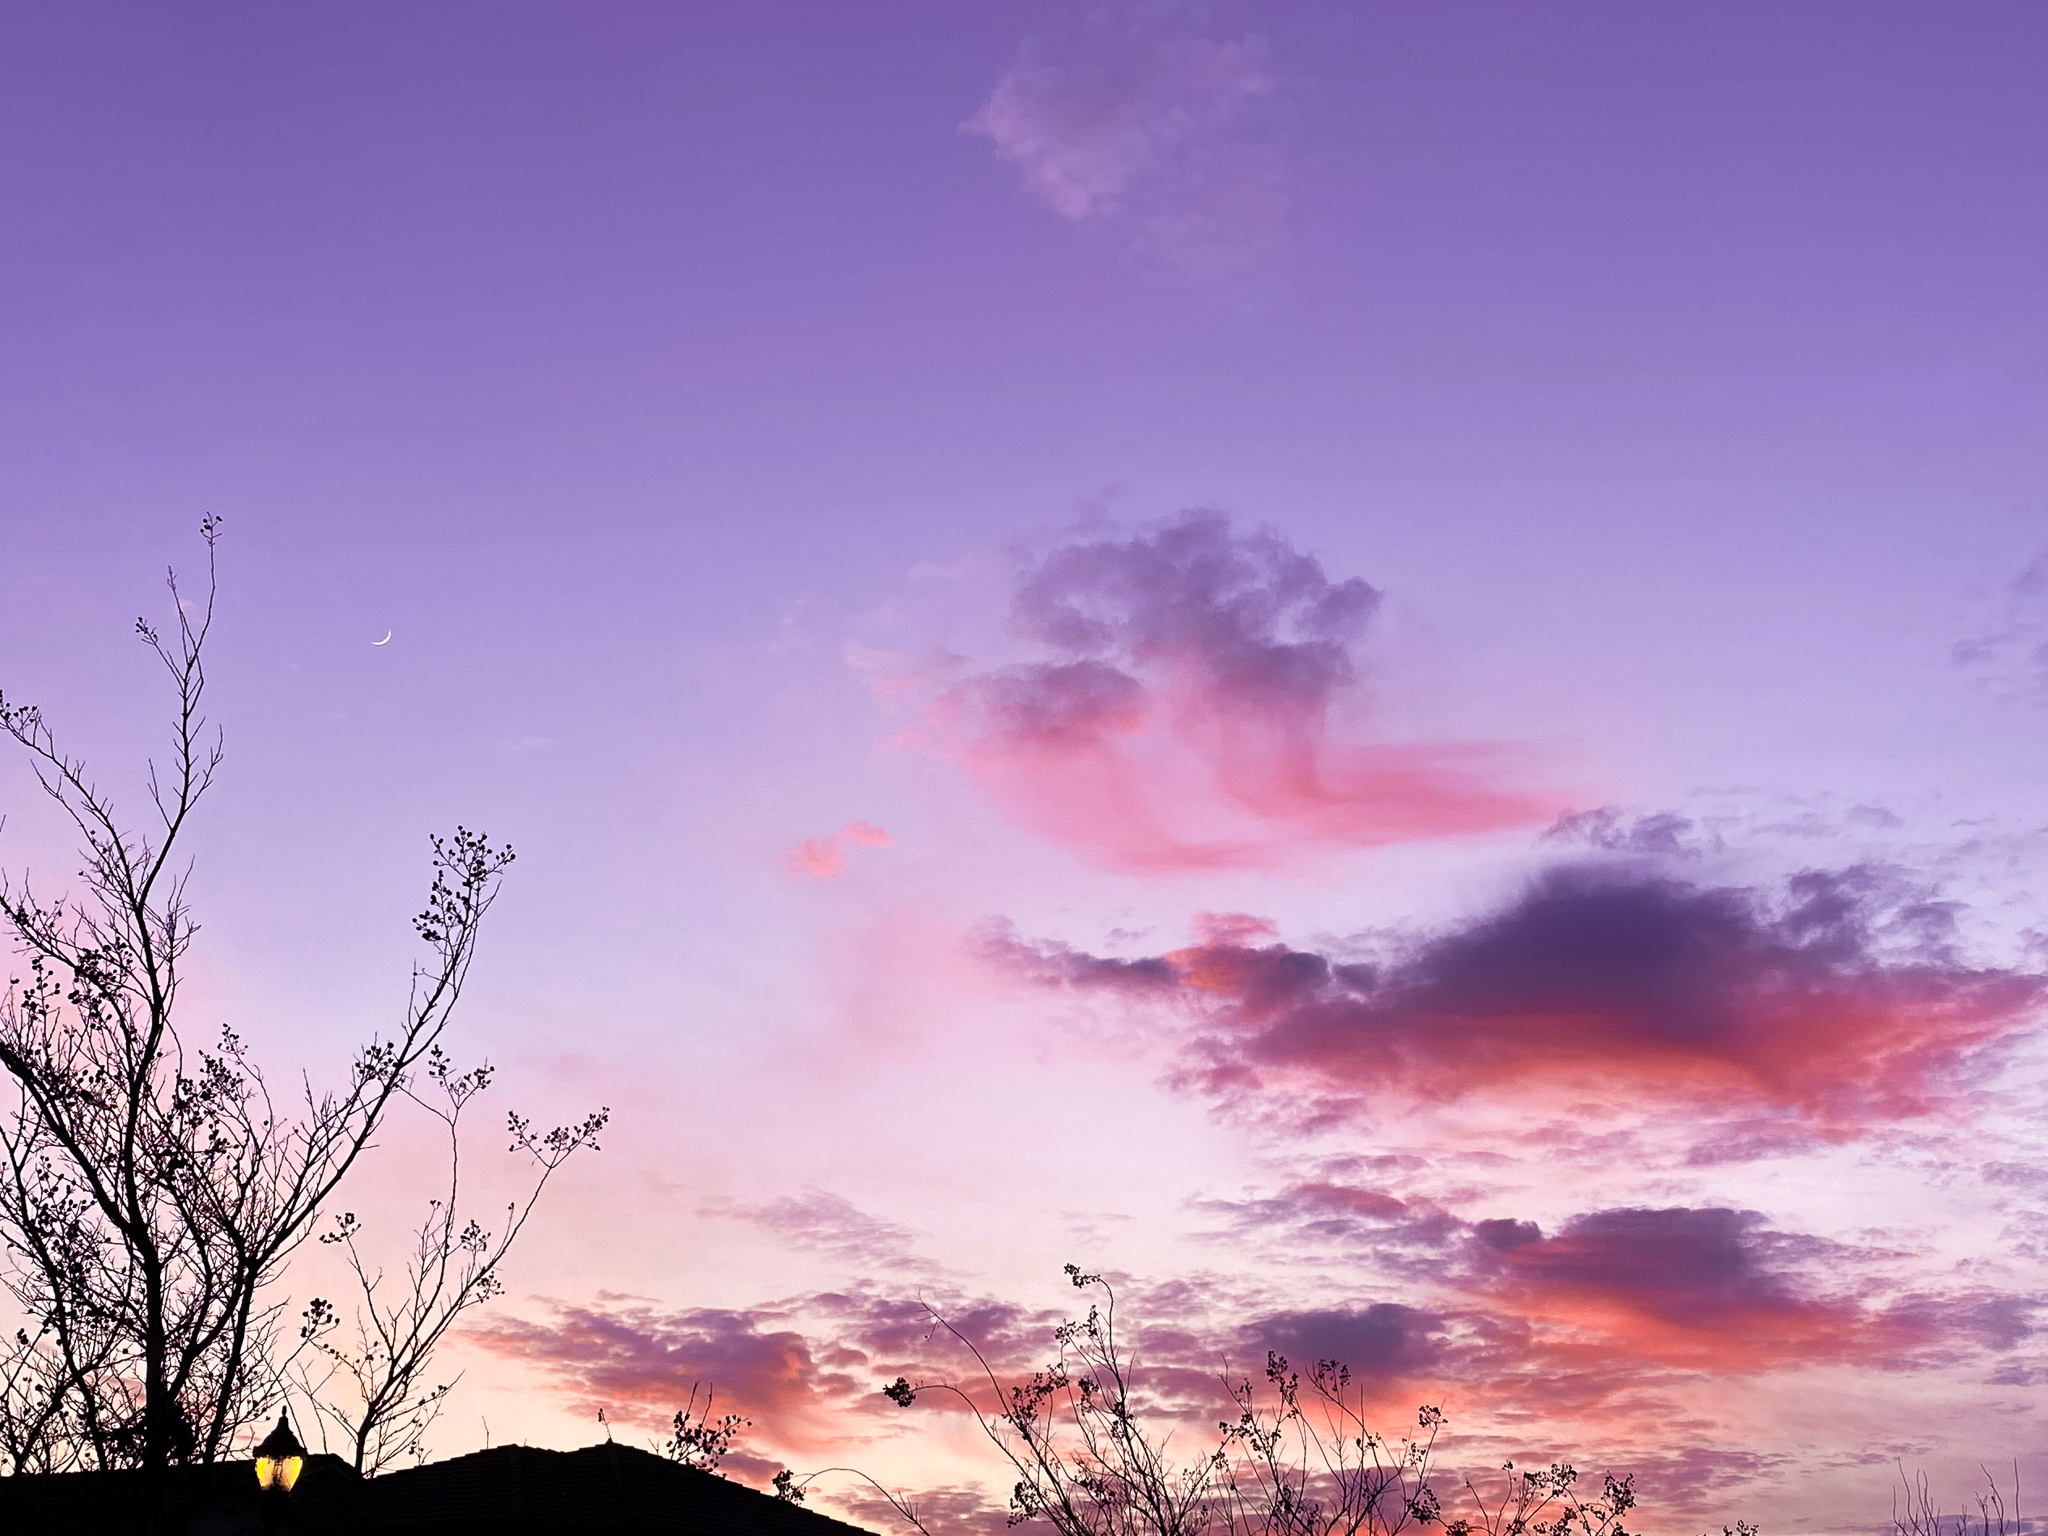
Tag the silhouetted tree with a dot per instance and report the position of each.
(698, 1440)
(1919, 1514)
(1288, 1462)
(152, 1186)
(375, 1387)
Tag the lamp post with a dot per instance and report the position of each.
(279, 1458)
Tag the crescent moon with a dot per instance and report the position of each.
(385, 641)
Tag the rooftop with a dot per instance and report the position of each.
(510, 1490)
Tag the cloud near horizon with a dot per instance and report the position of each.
(1589, 1322)
(1715, 1289)
(793, 1366)
(1698, 1288)
(1836, 1003)
(1181, 718)
(639, 1362)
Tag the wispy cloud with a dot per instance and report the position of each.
(1182, 716)
(1163, 135)
(1384, 1340)
(1315, 1217)
(2010, 654)
(824, 858)
(822, 1222)
(969, 1511)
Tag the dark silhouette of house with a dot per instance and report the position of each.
(511, 1490)
(220, 1500)
(521, 1489)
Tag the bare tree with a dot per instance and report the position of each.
(1312, 1466)
(152, 1188)
(39, 1423)
(1307, 1470)
(1919, 1514)
(697, 1439)
(390, 1400)
(1288, 1462)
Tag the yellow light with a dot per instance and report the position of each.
(279, 1458)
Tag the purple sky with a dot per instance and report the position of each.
(769, 435)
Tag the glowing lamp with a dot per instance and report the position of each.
(279, 1458)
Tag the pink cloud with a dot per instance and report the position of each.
(639, 1361)
(1717, 1291)
(1680, 1287)
(1603, 1325)
(824, 858)
(1182, 719)
(1707, 1289)
(1836, 1003)
(791, 1366)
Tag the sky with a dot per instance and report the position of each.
(1381, 669)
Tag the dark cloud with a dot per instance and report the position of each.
(1696, 1268)
(1379, 1341)
(1838, 1000)
(1719, 1290)
(1697, 1288)
(1259, 617)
